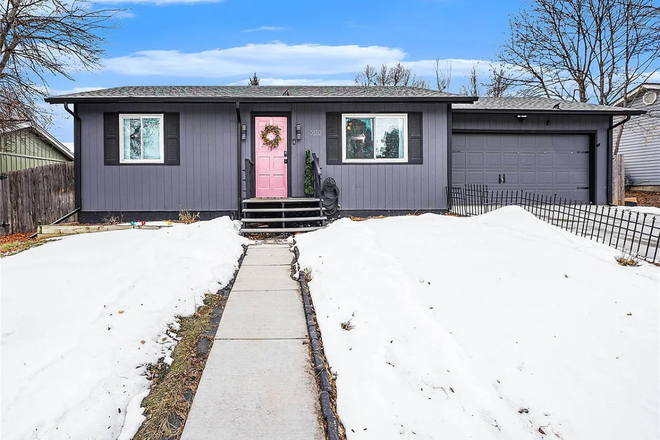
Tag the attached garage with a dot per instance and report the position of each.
(547, 164)
(539, 145)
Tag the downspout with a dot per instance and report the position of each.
(610, 154)
(77, 152)
(240, 153)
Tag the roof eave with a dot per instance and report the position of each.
(283, 99)
(44, 135)
(622, 112)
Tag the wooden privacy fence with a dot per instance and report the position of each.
(36, 196)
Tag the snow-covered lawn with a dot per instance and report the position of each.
(492, 327)
(82, 316)
(643, 209)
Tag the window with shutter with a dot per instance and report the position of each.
(111, 138)
(141, 138)
(374, 138)
(131, 138)
(415, 150)
(333, 138)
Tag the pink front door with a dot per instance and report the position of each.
(270, 167)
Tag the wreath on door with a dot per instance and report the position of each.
(271, 136)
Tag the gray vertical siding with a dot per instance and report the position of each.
(16, 145)
(640, 144)
(207, 177)
(597, 125)
(204, 181)
(367, 186)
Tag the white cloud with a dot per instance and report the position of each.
(265, 28)
(459, 67)
(275, 59)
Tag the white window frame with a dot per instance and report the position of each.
(124, 116)
(374, 116)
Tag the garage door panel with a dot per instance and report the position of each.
(475, 142)
(526, 178)
(562, 178)
(579, 161)
(493, 159)
(475, 159)
(545, 159)
(539, 163)
(494, 143)
(562, 160)
(458, 160)
(475, 177)
(458, 177)
(510, 159)
(579, 179)
(491, 178)
(527, 159)
(545, 178)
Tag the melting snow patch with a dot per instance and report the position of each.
(81, 318)
(493, 327)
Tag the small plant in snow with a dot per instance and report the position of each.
(627, 259)
(110, 219)
(188, 217)
(347, 325)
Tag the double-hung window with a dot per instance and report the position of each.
(374, 138)
(141, 138)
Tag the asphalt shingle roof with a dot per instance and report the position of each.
(256, 93)
(536, 105)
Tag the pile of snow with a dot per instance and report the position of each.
(652, 210)
(76, 337)
(492, 327)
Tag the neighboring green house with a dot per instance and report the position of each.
(30, 146)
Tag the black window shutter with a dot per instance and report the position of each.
(172, 139)
(111, 138)
(415, 153)
(333, 138)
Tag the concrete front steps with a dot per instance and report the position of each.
(275, 216)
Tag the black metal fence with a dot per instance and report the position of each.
(633, 232)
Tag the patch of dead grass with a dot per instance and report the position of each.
(173, 387)
(628, 260)
(15, 243)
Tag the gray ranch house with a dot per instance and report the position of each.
(148, 152)
(640, 140)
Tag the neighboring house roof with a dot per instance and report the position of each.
(642, 88)
(49, 138)
(259, 94)
(539, 105)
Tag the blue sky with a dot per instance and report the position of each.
(187, 42)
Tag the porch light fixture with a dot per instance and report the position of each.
(521, 118)
(243, 132)
(298, 132)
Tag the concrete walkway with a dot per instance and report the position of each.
(258, 381)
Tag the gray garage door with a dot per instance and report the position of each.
(539, 163)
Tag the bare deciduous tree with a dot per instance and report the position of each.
(254, 81)
(40, 38)
(472, 88)
(442, 76)
(583, 49)
(398, 75)
(498, 82)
